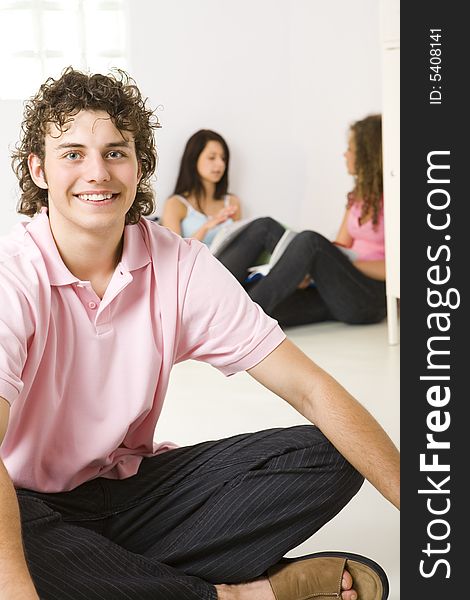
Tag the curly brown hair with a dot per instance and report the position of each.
(368, 189)
(58, 101)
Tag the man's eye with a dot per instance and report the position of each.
(72, 155)
(115, 154)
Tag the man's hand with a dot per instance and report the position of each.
(15, 581)
(290, 374)
(19, 591)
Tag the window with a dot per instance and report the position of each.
(39, 38)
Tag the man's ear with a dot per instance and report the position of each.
(36, 171)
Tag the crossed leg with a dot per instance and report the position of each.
(215, 514)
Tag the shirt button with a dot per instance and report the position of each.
(92, 305)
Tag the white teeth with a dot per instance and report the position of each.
(95, 197)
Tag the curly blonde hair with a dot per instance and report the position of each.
(58, 101)
(368, 188)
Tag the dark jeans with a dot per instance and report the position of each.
(341, 291)
(261, 235)
(217, 512)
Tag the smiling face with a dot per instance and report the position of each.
(350, 155)
(211, 163)
(91, 173)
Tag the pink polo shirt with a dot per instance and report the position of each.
(86, 378)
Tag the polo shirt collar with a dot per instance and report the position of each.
(134, 255)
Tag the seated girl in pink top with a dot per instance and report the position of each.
(367, 238)
(315, 280)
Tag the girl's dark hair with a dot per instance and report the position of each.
(368, 189)
(58, 101)
(189, 181)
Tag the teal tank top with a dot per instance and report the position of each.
(194, 220)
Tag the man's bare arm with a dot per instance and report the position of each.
(289, 373)
(15, 581)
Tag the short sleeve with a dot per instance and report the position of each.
(16, 329)
(220, 324)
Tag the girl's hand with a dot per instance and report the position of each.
(306, 281)
(225, 213)
(375, 269)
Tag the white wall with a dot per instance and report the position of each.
(280, 79)
(10, 120)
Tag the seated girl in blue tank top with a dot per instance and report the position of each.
(201, 204)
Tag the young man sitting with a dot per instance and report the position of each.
(96, 305)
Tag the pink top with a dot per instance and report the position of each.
(368, 243)
(86, 378)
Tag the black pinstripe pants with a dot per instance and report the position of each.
(216, 512)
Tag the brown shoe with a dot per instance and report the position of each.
(319, 576)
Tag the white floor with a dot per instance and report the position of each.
(202, 404)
